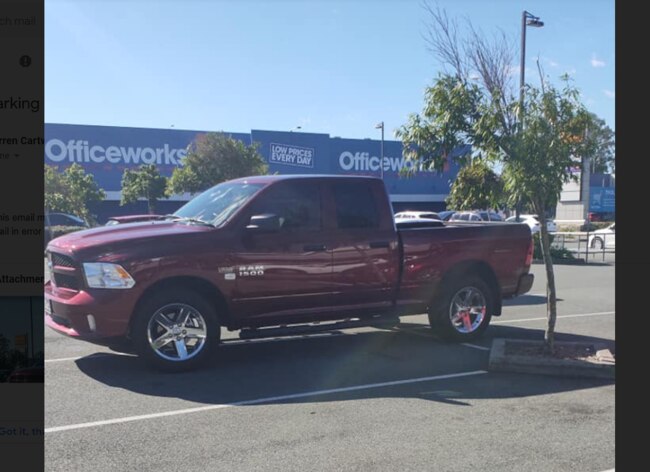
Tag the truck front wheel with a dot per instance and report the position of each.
(175, 330)
(464, 311)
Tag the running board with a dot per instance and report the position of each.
(256, 333)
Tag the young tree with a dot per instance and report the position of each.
(536, 158)
(213, 158)
(145, 182)
(476, 186)
(71, 191)
(535, 152)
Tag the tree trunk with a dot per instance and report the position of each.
(551, 297)
(152, 206)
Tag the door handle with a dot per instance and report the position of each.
(314, 247)
(379, 244)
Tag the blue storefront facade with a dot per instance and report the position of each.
(106, 151)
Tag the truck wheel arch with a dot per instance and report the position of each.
(474, 268)
(197, 284)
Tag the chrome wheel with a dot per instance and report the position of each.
(467, 310)
(177, 332)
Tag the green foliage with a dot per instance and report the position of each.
(540, 154)
(213, 158)
(536, 157)
(71, 191)
(146, 182)
(475, 187)
(449, 114)
(537, 253)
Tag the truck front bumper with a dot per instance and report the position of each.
(95, 317)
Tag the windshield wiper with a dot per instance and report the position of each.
(189, 220)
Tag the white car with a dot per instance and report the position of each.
(603, 238)
(533, 223)
(428, 215)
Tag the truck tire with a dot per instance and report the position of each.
(464, 310)
(175, 330)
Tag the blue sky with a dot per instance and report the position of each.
(327, 66)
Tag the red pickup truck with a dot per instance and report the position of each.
(279, 255)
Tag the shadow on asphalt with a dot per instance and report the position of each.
(254, 370)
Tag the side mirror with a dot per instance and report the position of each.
(265, 223)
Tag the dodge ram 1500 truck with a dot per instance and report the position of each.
(279, 255)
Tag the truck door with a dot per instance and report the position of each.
(365, 250)
(288, 271)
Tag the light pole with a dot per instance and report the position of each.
(381, 165)
(527, 19)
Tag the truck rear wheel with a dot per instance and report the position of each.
(175, 330)
(464, 311)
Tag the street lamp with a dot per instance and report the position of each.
(527, 19)
(381, 166)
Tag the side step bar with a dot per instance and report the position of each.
(382, 322)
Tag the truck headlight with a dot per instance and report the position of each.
(106, 275)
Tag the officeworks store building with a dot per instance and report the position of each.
(106, 151)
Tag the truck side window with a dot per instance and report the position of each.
(355, 206)
(296, 203)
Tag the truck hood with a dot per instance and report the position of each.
(110, 237)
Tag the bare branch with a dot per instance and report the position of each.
(541, 75)
(442, 41)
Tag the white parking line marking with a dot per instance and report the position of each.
(523, 320)
(185, 411)
(89, 356)
(63, 359)
(482, 348)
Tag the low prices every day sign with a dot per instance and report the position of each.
(290, 155)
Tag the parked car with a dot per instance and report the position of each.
(429, 215)
(445, 215)
(401, 223)
(475, 216)
(117, 220)
(533, 223)
(64, 221)
(278, 255)
(603, 238)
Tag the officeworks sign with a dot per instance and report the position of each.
(106, 151)
(80, 151)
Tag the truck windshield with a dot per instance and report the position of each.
(217, 204)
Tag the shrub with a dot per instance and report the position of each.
(556, 252)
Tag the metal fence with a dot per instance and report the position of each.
(587, 245)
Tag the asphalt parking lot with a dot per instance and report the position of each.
(363, 399)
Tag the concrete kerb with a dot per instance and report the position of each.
(500, 361)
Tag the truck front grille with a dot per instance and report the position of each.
(66, 281)
(61, 260)
(64, 271)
